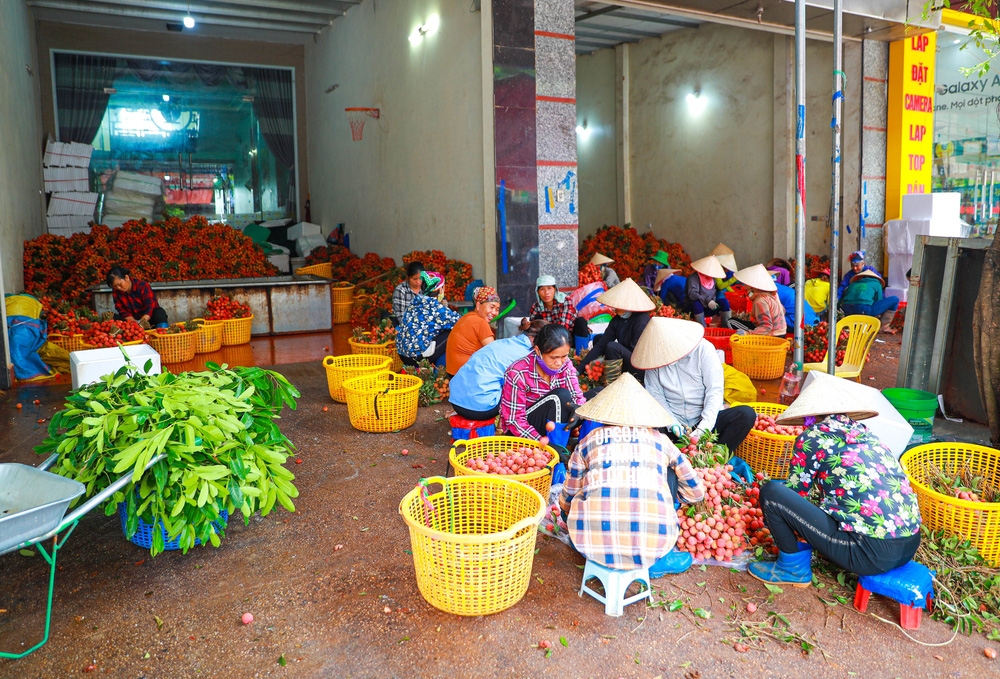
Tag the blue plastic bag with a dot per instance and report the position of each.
(27, 336)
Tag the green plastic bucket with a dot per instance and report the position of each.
(602, 318)
(918, 408)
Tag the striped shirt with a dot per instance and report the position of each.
(620, 512)
(523, 386)
(563, 313)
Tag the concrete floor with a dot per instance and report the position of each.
(325, 611)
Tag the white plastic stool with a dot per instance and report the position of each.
(615, 583)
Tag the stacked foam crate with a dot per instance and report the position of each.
(132, 196)
(67, 179)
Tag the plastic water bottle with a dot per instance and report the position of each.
(791, 382)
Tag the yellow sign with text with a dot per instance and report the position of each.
(909, 133)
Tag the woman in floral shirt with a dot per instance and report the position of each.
(867, 521)
(424, 328)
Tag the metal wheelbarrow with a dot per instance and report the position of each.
(33, 504)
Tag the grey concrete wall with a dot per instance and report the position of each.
(727, 174)
(874, 119)
(21, 142)
(595, 107)
(415, 180)
(54, 36)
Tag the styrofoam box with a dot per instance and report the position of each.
(115, 221)
(306, 244)
(72, 203)
(303, 229)
(63, 154)
(66, 179)
(889, 426)
(140, 183)
(60, 223)
(944, 205)
(280, 261)
(90, 365)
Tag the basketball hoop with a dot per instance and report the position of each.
(356, 117)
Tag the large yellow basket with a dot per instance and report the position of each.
(758, 356)
(978, 522)
(176, 348)
(382, 402)
(342, 292)
(341, 368)
(209, 336)
(68, 342)
(341, 312)
(463, 451)
(236, 331)
(473, 542)
(764, 452)
(324, 270)
(383, 349)
(121, 344)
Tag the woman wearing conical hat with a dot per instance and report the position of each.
(702, 292)
(621, 483)
(684, 375)
(609, 275)
(766, 312)
(864, 296)
(867, 521)
(632, 306)
(727, 258)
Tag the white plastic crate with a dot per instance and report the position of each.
(67, 154)
(140, 183)
(72, 203)
(59, 179)
(90, 365)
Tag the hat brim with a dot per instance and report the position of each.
(664, 260)
(828, 395)
(666, 341)
(627, 296)
(626, 404)
(709, 266)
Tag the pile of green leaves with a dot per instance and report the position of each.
(217, 428)
(966, 588)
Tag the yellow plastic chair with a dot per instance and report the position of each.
(863, 330)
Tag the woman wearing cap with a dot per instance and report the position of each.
(867, 521)
(472, 332)
(701, 291)
(609, 275)
(475, 390)
(632, 306)
(621, 483)
(661, 260)
(424, 328)
(858, 265)
(684, 375)
(864, 296)
(766, 313)
(542, 387)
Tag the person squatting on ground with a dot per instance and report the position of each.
(864, 296)
(621, 483)
(632, 306)
(701, 292)
(409, 288)
(472, 332)
(867, 521)
(424, 328)
(766, 313)
(134, 300)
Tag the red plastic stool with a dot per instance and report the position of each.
(464, 429)
(911, 583)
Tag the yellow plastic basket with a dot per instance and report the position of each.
(383, 349)
(176, 348)
(764, 452)
(341, 368)
(463, 451)
(209, 336)
(382, 402)
(978, 522)
(473, 542)
(121, 344)
(236, 331)
(342, 292)
(324, 270)
(760, 357)
(342, 312)
(68, 342)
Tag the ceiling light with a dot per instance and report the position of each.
(429, 28)
(189, 21)
(696, 102)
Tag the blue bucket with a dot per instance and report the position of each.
(144, 532)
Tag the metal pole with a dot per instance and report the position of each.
(838, 103)
(800, 178)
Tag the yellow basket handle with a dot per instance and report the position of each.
(328, 361)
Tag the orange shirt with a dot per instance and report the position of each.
(466, 337)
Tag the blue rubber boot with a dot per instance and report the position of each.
(789, 569)
(672, 563)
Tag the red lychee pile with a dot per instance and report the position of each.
(113, 333)
(223, 307)
(522, 460)
(766, 423)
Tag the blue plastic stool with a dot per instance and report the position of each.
(615, 583)
(581, 344)
(912, 585)
(465, 430)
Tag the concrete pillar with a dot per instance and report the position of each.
(784, 147)
(874, 107)
(622, 127)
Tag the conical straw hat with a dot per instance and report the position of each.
(599, 259)
(868, 274)
(709, 266)
(663, 274)
(665, 341)
(827, 395)
(757, 277)
(625, 403)
(726, 257)
(627, 296)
